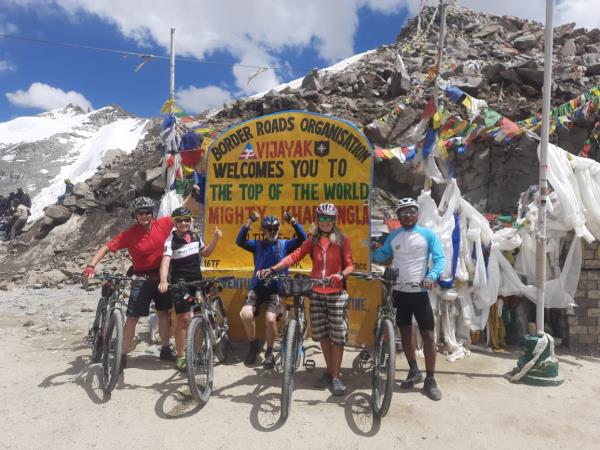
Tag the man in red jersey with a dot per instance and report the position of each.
(144, 241)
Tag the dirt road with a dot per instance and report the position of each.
(50, 397)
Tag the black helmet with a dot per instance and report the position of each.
(181, 212)
(270, 221)
(143, 204)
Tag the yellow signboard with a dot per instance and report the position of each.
(288, 161)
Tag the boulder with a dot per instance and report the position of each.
(108, 178)
(569, 49)
(58, 213)
(471, 85)
(525, 42)
(70, 201)
(400, 83)
(152, 174)
(534, 77)
(312, 82)
(81, 189)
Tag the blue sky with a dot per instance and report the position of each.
(292, 35)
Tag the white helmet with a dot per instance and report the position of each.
(326, 209)
(407, 202)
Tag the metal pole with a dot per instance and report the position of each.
(440, 54)
(172, 85)
(543, 184)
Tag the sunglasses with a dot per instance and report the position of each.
(272, 229)
(183, 219)
(144, 212)
(326, 219)
(408, 213)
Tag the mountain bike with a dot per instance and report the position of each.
(106, 333)
(292, 350)
(384, 356)
(206, 335)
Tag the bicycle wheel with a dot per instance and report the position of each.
(220, 327)
(97, 330)
(111, 353)
(199, 359)
(384, 367)
(289, 366)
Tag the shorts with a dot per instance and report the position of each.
(329, 317)
(142, 292)
(273, 303)
(417, 303)
(183, 297)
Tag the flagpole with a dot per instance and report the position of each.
(543, 183)
(172, 68)
(440, 55)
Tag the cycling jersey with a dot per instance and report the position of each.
(185, 255)
(411, 249)
(145, 246)
(267, 254)
(327, 259)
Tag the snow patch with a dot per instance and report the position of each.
(123, 134)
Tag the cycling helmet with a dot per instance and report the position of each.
(407, 202)
(326, 209)
(142, 203)
(270, 221)
(181, 212)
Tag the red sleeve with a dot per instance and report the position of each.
(118, 242)
(348, 262)
(299, 253)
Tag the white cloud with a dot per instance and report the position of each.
(7, 27)
(194, 99)
(45, 97)
(257, 32)
(6, 66)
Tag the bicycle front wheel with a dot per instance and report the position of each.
(111, 353)
(221, 347)
(199, 359)
(289, 367)
(384, 367)
(98, 329)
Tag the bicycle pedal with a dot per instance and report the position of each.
(364, 355)
(310, 363)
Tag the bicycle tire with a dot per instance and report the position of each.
(289, 367)
(111, 354)
(199, 359)
(98, 329)
(222, 345)
(384, 368)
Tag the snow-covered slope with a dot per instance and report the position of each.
(38, 153)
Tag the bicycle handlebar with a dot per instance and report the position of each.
(390, 283)
(202, 282)
(322, 281)
(118, 277)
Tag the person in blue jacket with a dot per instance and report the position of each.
(267, 252)
(411, 248)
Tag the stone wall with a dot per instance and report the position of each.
(584, 325)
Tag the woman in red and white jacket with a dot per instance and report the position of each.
(331, 257)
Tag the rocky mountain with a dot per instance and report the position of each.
(38, 153)
(384, 91)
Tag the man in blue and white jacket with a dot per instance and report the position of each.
(412, 247)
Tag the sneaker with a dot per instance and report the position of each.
(167, 353)
(431, 390)
(337, 387)
(253, 350)
(181, 363)
(413, 377)
(324, 382)
(269, 362)
(123, 365)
